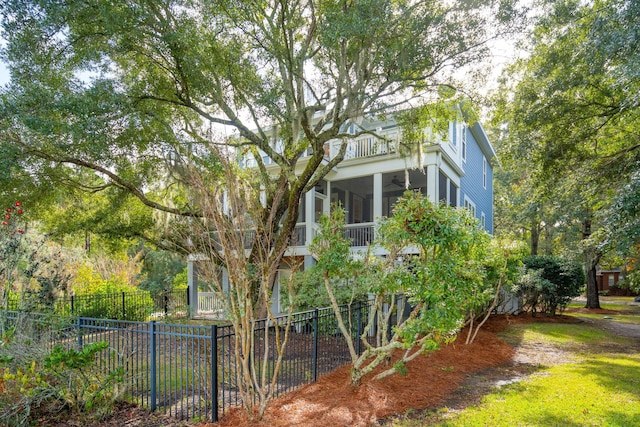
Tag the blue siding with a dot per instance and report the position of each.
(471, 184)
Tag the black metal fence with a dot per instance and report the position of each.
(135, 305)
(172, 367)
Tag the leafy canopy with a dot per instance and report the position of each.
(133, 92)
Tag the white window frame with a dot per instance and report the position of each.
(470, 206)
(453, 133)
(484, 172)
(463, 143)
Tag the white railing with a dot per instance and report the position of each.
(210, 303)
(359, 234)
(360, 147)
(368, 146)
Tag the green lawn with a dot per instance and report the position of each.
(597, 385)
(600, 390)
(626, 305)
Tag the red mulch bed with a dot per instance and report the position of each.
(429, 382)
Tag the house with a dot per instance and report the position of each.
(457, 170)
(607, 281)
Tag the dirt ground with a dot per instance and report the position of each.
(455, 376)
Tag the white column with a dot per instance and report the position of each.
(309, 214)
(327, 205)
(192, 283)
(432, 182)
(225, 281)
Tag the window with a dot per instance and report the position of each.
(442, 188)
(321, 187)
(447, 191)
(464, 143)
(483, 220)
(453, 132)
(302, 210)
(611, 280)
(484, 172)
(453, 194)
(470, 206)
(318, 208)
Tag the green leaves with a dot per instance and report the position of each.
(332, 250)
(60, 359)
(436, 257)
(548, 283)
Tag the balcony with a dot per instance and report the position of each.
(369, 146)
(360, 147)
(359, 234)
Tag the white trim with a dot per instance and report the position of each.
(483, 220)
(453, 133)
(463, 143)
(470, 206)
(484, 172)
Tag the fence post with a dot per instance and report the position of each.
(124, 313)
(214, 373)
(152, 344)
(73, 310)
(79, 333)
(314, 368)
(188, 303)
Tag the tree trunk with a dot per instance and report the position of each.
(591, 259)
(535, 237)
(593, 300)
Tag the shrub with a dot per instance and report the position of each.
(122, 305)
(442, 280)
(549, 283)
(631, 282)
(36, 381)
(309, 290)
(79, 382)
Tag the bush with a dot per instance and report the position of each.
(549, 283)
(35, 381)
(631, 282)
(79, 382)
(122, 305)
(310, 292)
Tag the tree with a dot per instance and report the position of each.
(435, 258)
(549, 283)
(575, 116)
(134, 93)
(502, 266)
(259, 340)
(12, 229)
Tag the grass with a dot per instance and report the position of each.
(635, 319)
(602, 390)
(561, 334)
(599, 385)
(625, 305)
